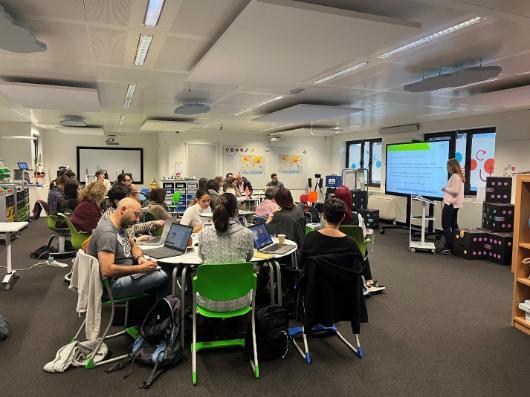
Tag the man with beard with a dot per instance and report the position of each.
(121, 260)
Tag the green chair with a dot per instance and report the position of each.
(77, 237)
(59, 232)
(222, 282)
(355, 232)
(108, 300)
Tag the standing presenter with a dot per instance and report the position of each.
(453, 200)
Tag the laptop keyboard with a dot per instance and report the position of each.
(272, 247)
(162, 252)
(277, 248)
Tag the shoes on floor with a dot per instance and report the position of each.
(446, 251)
(376, 288)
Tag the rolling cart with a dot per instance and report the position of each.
(421, 245)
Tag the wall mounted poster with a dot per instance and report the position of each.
(252, 164)
(290, 164)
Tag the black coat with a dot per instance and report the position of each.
(332, 290)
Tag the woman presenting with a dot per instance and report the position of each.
(453, 200)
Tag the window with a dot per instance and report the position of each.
(475, 150)
(366, 154)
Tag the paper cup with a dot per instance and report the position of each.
(281, 239)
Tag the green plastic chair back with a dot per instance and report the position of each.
(355, 232)
(308, 229)
(221, 282)
(52, 222)
(77, 237)
(175, 198)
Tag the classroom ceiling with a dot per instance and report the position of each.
(248, 59)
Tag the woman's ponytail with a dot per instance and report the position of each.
(226, 208)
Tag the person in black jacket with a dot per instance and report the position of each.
(332, 269)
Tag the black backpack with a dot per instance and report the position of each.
(272, 323)
(159, 344)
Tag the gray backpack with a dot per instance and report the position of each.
(4, 328)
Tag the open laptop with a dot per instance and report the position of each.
(175, 244)
(263, 241)
(159, 240)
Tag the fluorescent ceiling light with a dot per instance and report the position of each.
(19, 137)
(130, 90)
(433, 36)
(127, 103)
(143, 47)
(259, 104)
(342, 72)
(210, 123)
(122, 118)
(152, 12)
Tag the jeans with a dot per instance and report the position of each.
(156, 282)
(449, 224)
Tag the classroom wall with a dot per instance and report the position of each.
(14, 150)
(512, 147)
(60, 149)
(315, 152)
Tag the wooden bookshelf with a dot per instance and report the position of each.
(521, 250)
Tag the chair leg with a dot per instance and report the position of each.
(79, 330)
(357, 350)
(271, 280)
(194, 342)
(278, 282)
(295, 331)
(255, 364)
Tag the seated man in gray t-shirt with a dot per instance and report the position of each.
(117, 254)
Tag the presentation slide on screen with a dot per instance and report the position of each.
(417, 168)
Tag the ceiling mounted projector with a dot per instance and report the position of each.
(193, 108)
(73, 121)
(455, 79)
(16, 37)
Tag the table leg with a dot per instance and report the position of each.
(174, 280)
(183, 301)
(271, 280)
(278, 281)
(9, 278)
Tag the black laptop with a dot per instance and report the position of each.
(263, 241)
(175, 244)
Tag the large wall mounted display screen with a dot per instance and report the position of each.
(417, 168)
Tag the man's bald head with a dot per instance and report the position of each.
(128, 212)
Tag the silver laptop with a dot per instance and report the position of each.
(175, 244)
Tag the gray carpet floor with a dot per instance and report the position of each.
(442, 328)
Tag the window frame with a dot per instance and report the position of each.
(369, 164)
(451, 136)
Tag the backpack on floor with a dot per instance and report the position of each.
(159, 344)
(272, 323)
(4, 328)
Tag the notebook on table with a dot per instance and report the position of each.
(175, 244)
(263, 241)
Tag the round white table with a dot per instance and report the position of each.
(6, 229)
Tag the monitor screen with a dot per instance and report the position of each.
(262, 238)
(23, 166)
(418, 168)
(178, 237)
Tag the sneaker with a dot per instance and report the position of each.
(446, 251)
(376, 288)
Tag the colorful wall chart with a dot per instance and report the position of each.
(290, 164)
(252, 164)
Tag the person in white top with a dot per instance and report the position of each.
(192, 215)
(453, 201)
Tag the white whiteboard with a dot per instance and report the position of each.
(113, 160)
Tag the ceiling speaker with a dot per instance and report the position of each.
(455, 79)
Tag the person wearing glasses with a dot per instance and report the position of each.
(126, 180)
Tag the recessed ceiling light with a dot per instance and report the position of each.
(143, 48)
(127, 103)
(433, 36)
(122, 118)
(258, 105)
(130, 90)
(152, 12)
(342, 72)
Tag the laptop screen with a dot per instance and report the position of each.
(262, 238)
(178, 236)
(23, 166)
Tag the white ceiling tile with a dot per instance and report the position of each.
(114, 12)
(107, 45)
(178, 54)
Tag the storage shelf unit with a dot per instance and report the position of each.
(14, 201)
(187, 188)
(521, 244)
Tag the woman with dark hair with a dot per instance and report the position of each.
(202, 183)
(192, 215)
(289, 219)
(230, 186)
(157, 206)
(126, 180)
(226, 242)
(103, 177)
(70, 195)
(212, 187)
